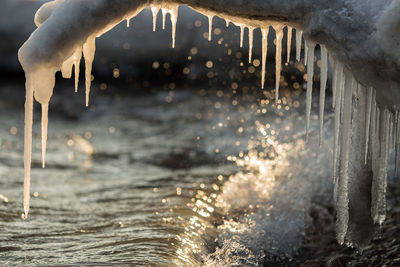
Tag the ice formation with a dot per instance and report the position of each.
(210, 19)
(264, 33)
(323, 80)
(251, 30)
(278, 59)
(289, 43)
(310, 75)
(369, 125)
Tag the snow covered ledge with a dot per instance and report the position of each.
(361, 36)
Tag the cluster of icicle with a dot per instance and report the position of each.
(381, 126)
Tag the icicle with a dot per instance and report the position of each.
(342, 104)
(390, 133)
(333, 63)
(299, 35)
(39, 85)
(377, 148)
(210, 18)
(173, 14)
(66, 68)
(128, 21)
(310, 74)
(251, 29)
(397, 143)
(77, 61)
(227, 21)
(342, 201)
(338, 99)
(379, 183)
(45, 111)
(393, 132)
(305, 52)
(289, 43)
(372, 133)
(241, 35)
(28, 143)
(154, 11)
(368, 122)
(340, 86)
(335, 82)
(278, 59)
(264, 32)
(88, 53)
(324, 75)
(164, 14)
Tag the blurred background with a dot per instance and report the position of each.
(180, 159)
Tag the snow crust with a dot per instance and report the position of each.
(361, 36)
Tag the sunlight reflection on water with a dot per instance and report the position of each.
(148, 182)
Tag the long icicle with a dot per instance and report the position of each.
(368, 121)
(324, 77)
(338, 100)
(379, 182)
(299, 35)
(164, 14)
(289, 43)
(210, 19)
(340, 85)
(342, 203)
(154, 11)
(335, 82)
(241, 34)
(305, 52)
(88, 53)
(264, 32)
(397, 143)
(377, 142)
(173, 15)
(251, 30)
(278, 60)
(310, 74)
(372, 132)
(77, 62)
(28, 144)
(45, 114)
(390, 133)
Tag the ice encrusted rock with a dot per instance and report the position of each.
(362, 36)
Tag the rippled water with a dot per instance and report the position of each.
(191, 177)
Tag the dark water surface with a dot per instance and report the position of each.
(185, 177)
